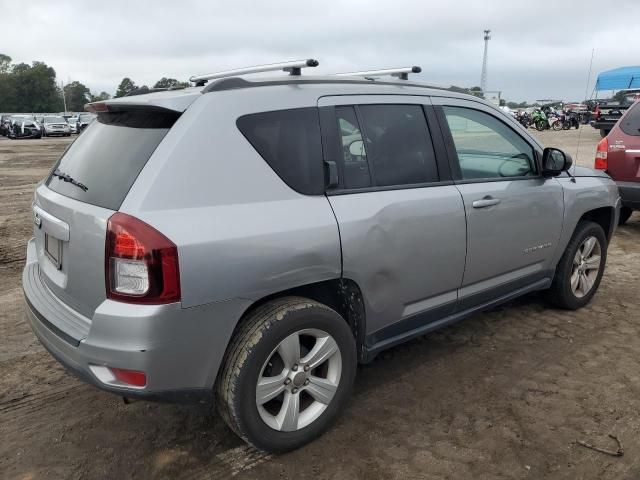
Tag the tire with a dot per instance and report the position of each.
(625, 214)
(255, 349)
(557, 125)
(566, 126)
(561, 293)
(540, 126)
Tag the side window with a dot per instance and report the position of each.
(289, 141)
(630, 124)
(356, 168)
(486, 147)
(398, 145)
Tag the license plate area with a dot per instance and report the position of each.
(53, 250)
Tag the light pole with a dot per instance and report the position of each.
(64, 100)
(483, 77)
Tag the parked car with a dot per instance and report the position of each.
(259, 238)
(22, 127)
(73, 124)
(619, 155)
(55, 125)
(84, 120)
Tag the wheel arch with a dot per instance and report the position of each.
(603, 216)
(341, 294)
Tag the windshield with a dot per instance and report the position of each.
(54, 120)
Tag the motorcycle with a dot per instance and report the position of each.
(570, 119)
(539, 120)
(524, 119)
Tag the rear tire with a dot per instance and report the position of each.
(625, 214)
(254, 357)
(541, 125)
(580, 270)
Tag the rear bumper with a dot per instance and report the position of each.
(630, 193)
(179, 349)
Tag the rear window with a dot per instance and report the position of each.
(630, 124)
(109, 155)
(289, 141)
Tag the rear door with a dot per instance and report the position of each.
(72, 206)
(401, 219)
(624, 147)
(514, 215)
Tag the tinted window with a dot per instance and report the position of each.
(355, 168)
(398, 145)
(630, 124)
(110, 154)
(486, 147)
(289, 141)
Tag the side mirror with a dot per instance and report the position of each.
(555, 161)
(357, 148)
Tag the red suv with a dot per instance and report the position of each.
(619, 154)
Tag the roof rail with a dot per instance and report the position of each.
(293, 67)
(401, 73)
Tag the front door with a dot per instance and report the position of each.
(514, 215)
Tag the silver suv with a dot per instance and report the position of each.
(252, 241)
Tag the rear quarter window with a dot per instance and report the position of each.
(108, 156)
(289, 141)
(630, 123)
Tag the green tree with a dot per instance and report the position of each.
(126, 86)
(76, 95)
(35, 88)
(100, 97)
(165, 82)
(476, 91)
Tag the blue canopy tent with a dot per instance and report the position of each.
(622, 78)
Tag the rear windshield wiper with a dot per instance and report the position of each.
(63, 176)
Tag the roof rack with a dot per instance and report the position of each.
(401, 73)
(293, 67)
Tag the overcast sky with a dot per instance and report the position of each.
(539, 49)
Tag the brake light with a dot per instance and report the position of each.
(141, 264)
(601, 154)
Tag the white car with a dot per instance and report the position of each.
(73, 124)
(55, 125)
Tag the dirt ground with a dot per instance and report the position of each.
(504, 394)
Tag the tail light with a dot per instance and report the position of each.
(141, 264)
(601, 154)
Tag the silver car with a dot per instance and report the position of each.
(252, 241)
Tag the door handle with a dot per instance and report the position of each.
(486, 202)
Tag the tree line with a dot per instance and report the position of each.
(33, 88)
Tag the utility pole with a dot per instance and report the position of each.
(64, 100)
(483, 78)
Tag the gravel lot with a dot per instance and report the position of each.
(504, 394)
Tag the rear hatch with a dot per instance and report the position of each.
(624, 147)
(86, 186)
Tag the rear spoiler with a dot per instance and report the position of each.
(175, 100)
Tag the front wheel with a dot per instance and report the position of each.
(581, 267)
(557, 125)
(541, 125)
(287, 375)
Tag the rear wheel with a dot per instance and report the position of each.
(580, 269)
(288, 374)
(557, 125)
(625, 214)
(541, 125)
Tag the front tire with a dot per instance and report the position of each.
(287, 374)
(581, 267)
